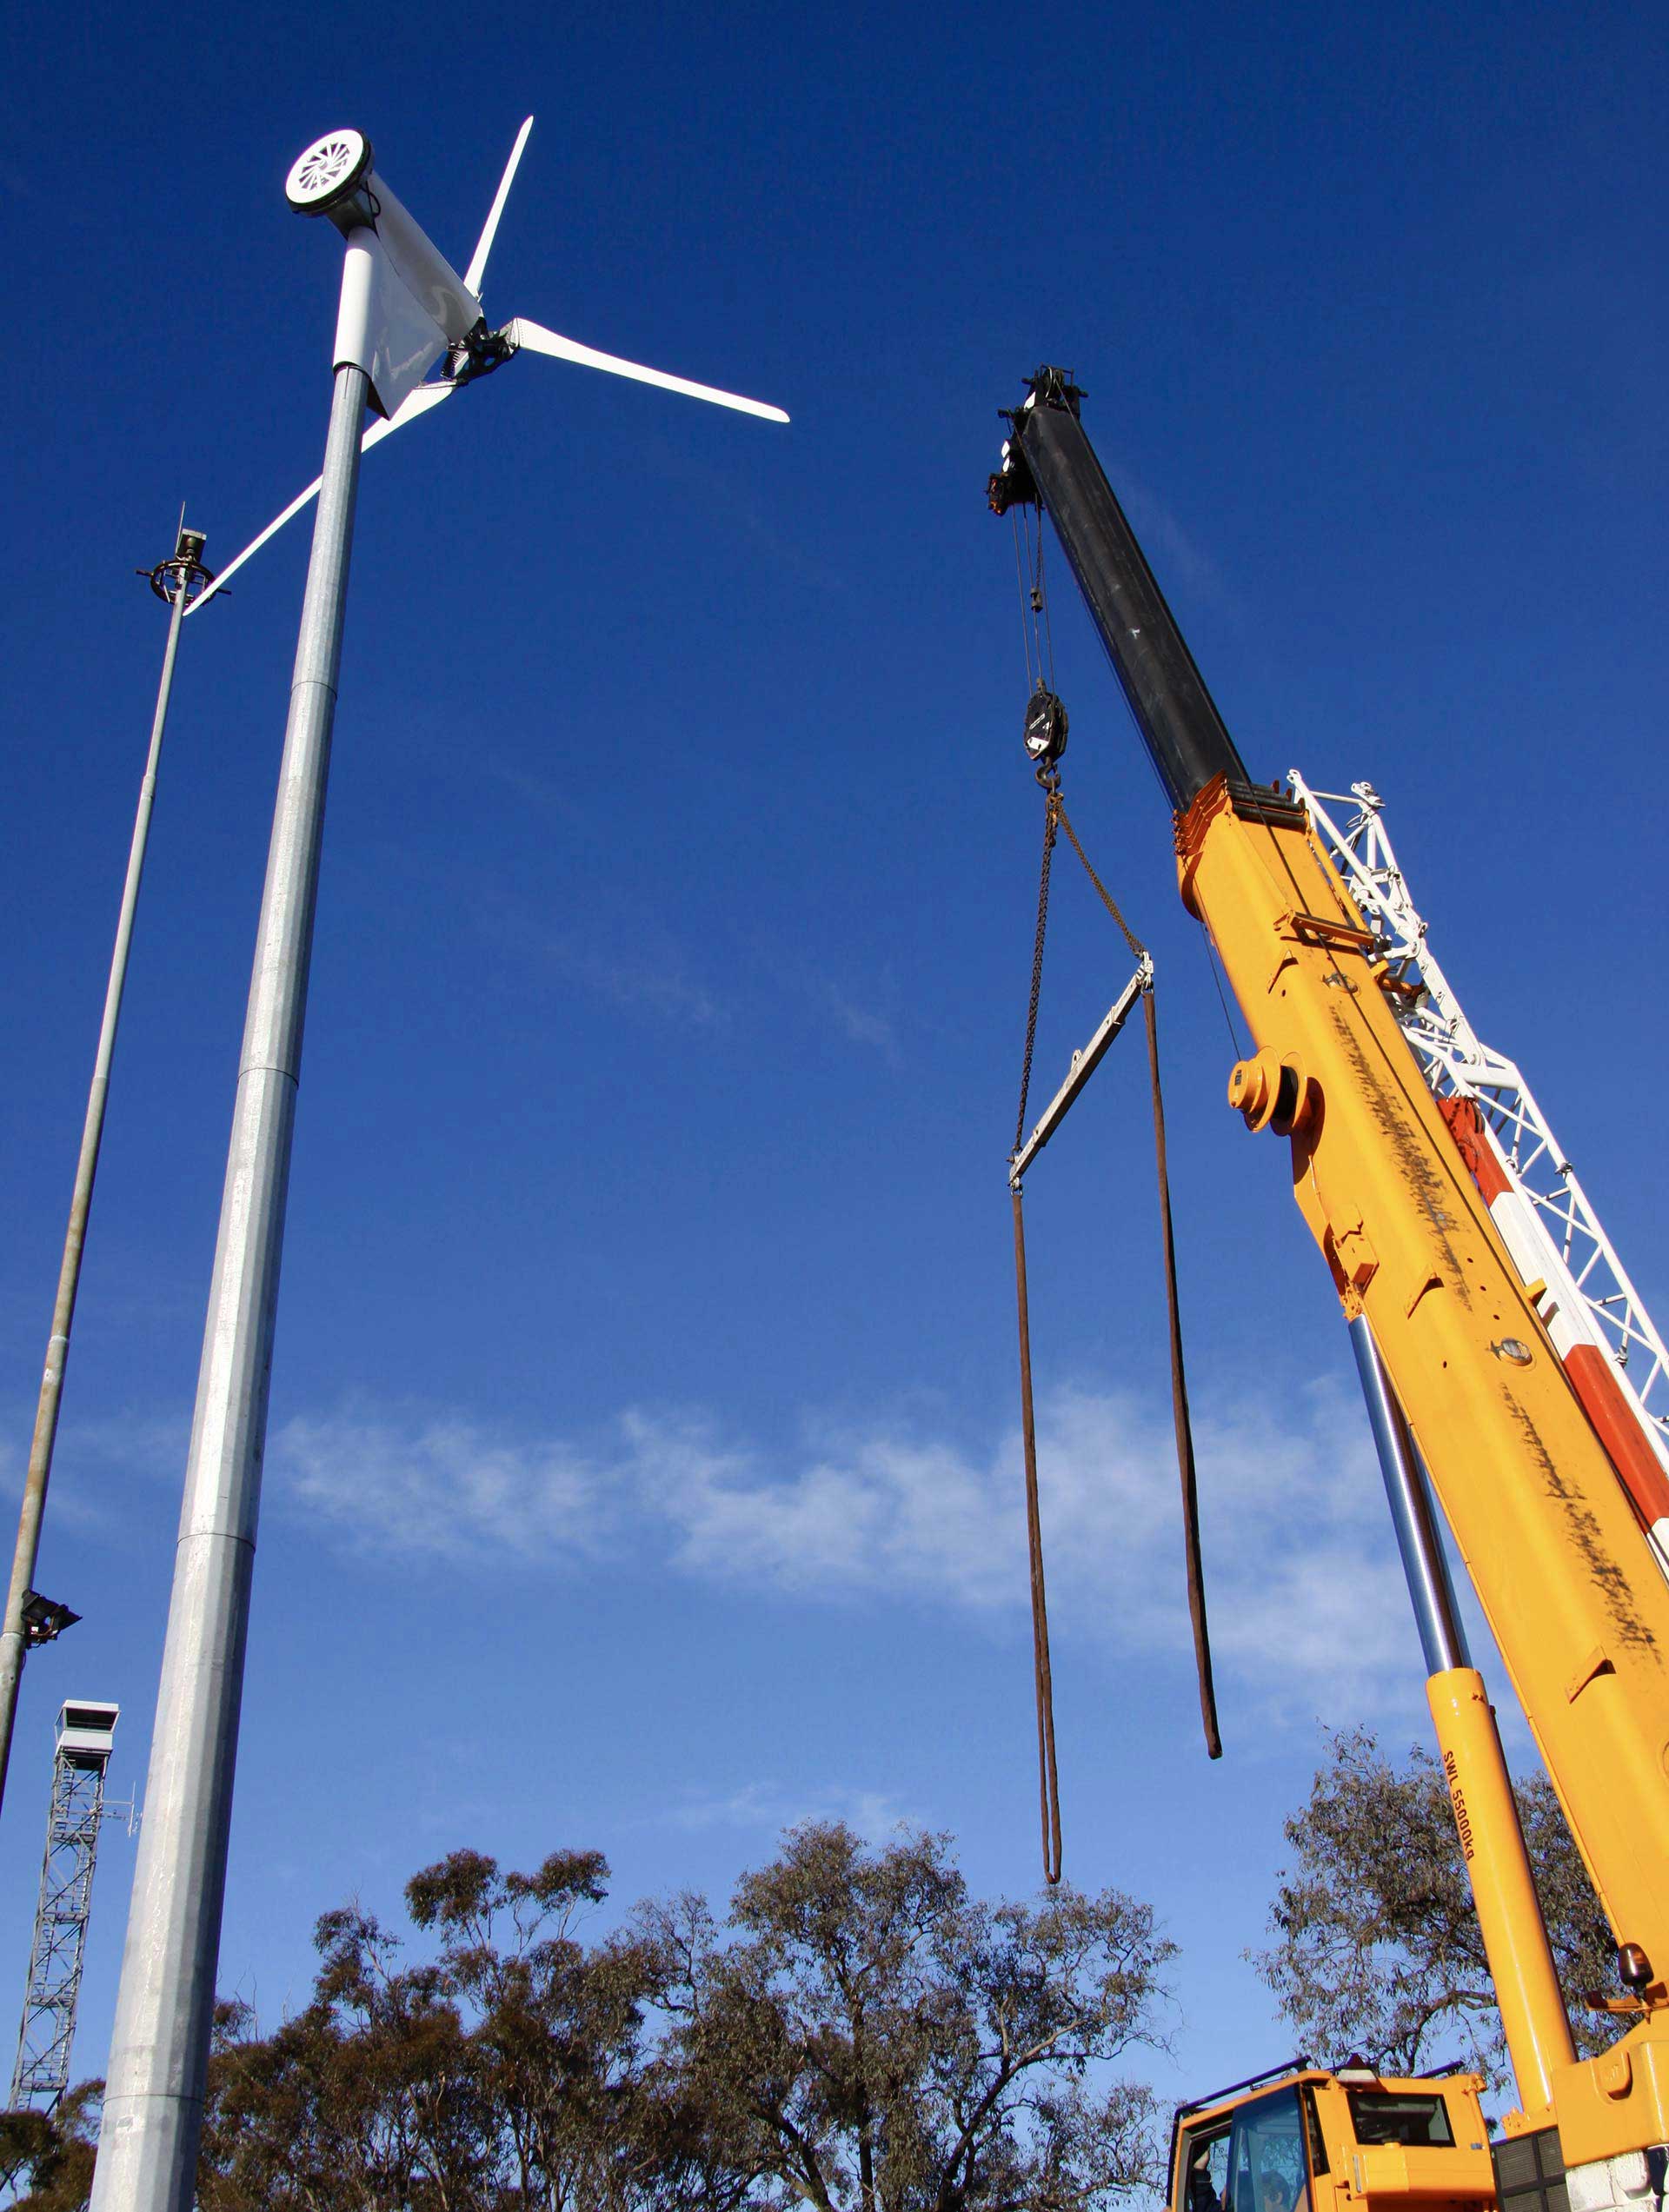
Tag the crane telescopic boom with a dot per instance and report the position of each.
(1185, 737)
(1555, 1550)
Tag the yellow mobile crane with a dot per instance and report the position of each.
(1463, 1370)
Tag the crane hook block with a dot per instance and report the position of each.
(1046, 726)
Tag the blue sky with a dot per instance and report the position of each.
(643, 1470)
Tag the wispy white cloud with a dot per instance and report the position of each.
(638, 962)
(445, 1489)
(854, 1017)
(862, 1024)
(766, 1806)
(1303, 1588)
(154, 1445)
(548, 793)
(100, 1467)
(1184, 564)
(856, 1514)
(1304, 1593)
(656, 980)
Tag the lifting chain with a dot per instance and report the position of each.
(1050, 783)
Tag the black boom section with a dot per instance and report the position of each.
(1175, 714)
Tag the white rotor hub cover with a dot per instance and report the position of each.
(328, 172)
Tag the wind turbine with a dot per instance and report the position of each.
(403, 308)
(430, 312)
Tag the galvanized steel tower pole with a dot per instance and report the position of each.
(178, 580)
(159, 2048)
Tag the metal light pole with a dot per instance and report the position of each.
(178, 580)
(159, 2048)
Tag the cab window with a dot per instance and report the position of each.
(1399, 2115)
(1205, 2173)
(1313, 2122)
(1267, 2170)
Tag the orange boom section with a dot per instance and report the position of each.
(1551, 1544)
(1592, 1377)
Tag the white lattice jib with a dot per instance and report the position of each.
(1456, 1062)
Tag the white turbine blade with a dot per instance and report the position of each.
(478, 267)
(537, 339)
(410, 408)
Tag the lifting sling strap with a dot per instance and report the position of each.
(1056, 820)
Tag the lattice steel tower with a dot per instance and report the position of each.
(42, 2074)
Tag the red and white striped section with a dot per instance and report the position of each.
(1622, 1424)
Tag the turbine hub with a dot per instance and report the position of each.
(481, 351)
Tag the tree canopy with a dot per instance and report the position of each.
(51, 2154)
(860, 2034)
(1377, 1948)
(864, 2033)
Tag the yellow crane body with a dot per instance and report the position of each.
(1558, 1557)
(1306, 2140)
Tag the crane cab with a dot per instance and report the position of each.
(1305, 2140)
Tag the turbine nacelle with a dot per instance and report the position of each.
(403, 302)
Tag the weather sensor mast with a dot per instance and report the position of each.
(29, 1621)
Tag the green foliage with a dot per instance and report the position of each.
(500, 2074)
(870, 2037)
(1376, 1945)
(862, 2035)
(48, 2157)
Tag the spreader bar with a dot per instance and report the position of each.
(1084, 1065)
